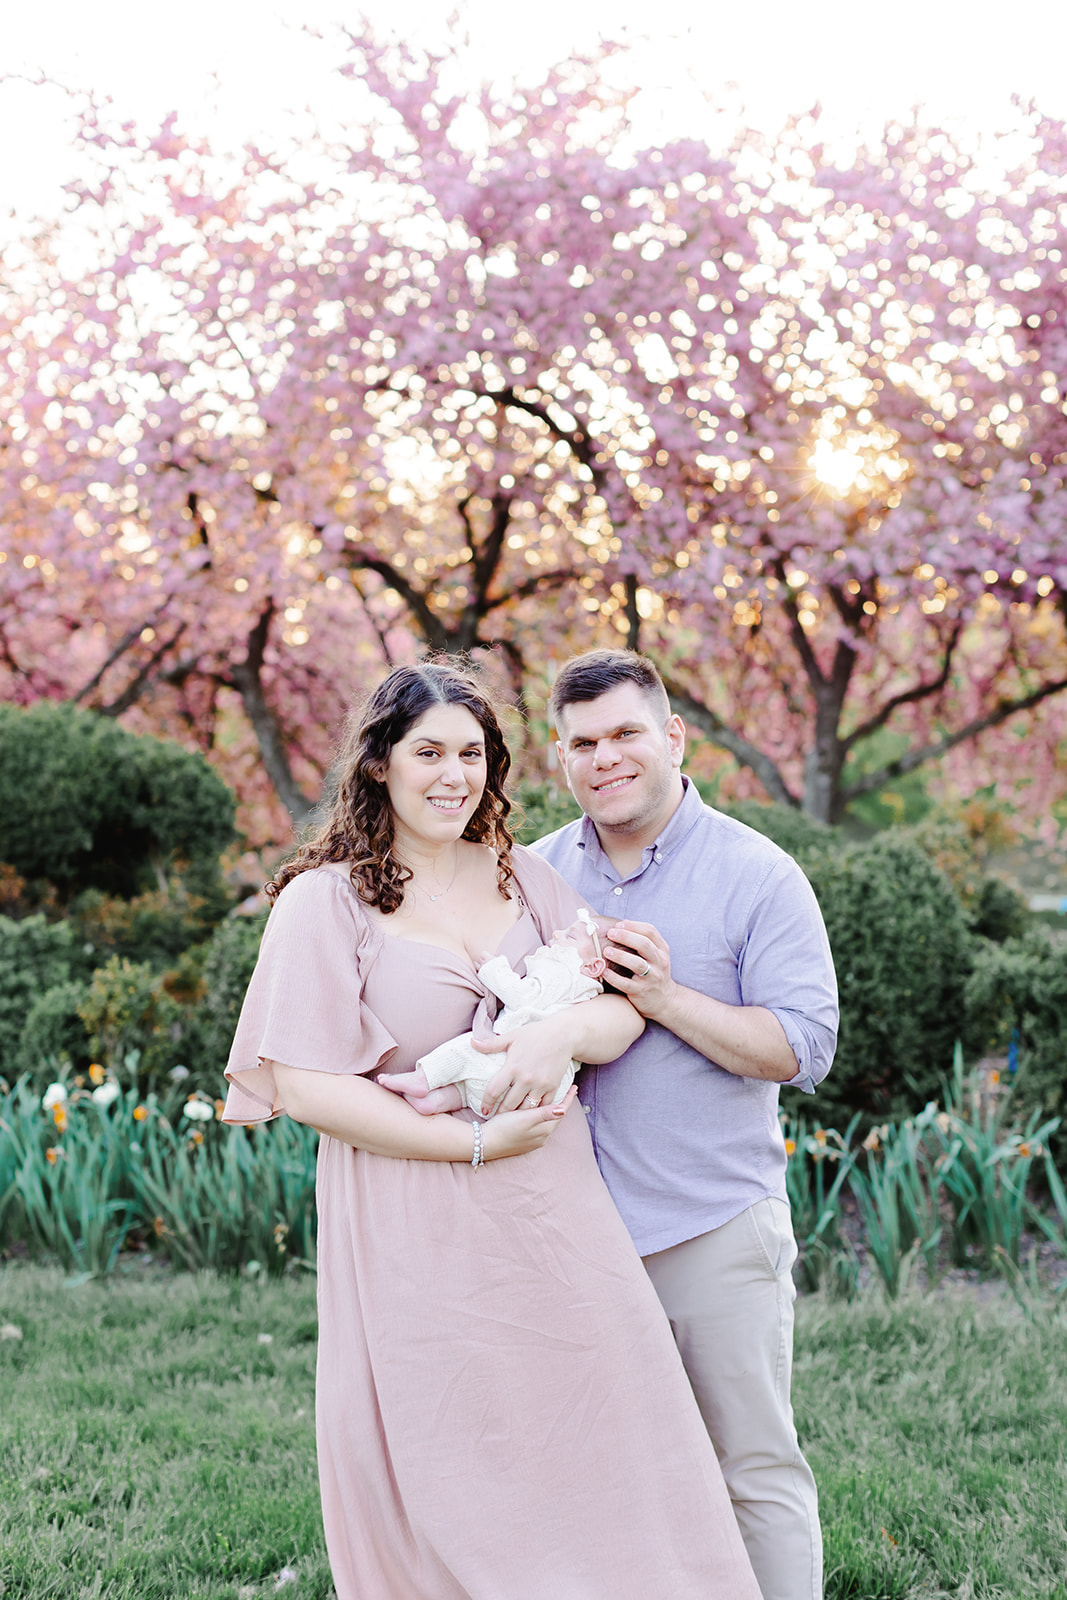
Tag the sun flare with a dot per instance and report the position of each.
(838, 469)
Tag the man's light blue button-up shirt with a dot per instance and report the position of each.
(683, 1144)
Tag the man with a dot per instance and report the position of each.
(720, 945)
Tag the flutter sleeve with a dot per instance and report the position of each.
(552, 902)
(304, 1005)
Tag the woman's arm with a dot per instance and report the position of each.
(356, 1111)
(540, 1054)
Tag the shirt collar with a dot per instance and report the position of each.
(679, 825)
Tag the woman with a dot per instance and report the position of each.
(501, 1411)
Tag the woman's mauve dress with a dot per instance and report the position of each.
(502, 1414)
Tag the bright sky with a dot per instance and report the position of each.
(234, 69)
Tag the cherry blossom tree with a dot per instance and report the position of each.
(149, 571)
(488, 378)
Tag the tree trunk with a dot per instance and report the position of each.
(246, 678)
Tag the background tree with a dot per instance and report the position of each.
(791, 421)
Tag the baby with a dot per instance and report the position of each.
(559, 974)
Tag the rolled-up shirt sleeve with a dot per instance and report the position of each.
(785, 966)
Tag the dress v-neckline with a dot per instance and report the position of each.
(428, 944)
(446, 950)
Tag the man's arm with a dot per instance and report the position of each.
(748, 1041)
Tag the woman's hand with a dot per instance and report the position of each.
(538, 1058)
(516, 1133)
(540, 1054)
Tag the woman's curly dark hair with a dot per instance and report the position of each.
(358, 827)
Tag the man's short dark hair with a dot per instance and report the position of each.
(589, 676)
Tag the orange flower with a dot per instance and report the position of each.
(220, 1107)
(51, 1156)
(820, 1136)
(159, 1228)
(994, 1076)
(59, 1116)
(790, 1147)
(139, 1113)
(196, 1137)
(1026, 1151)
(97, 1073)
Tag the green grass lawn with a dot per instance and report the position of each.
(937, 1431)
(157, 1442)
(153, 1445)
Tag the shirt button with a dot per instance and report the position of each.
(587, 1109)
(658, 856)
(617, 891)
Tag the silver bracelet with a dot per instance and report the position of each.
(477, 1159)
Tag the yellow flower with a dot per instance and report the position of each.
(59, 1115)
(97, 1073)
(51, 1156)
(790, 1147)
(139, 1113)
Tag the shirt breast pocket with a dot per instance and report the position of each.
(702, 960)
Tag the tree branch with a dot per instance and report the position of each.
(585, 451)
(433, 629)
(930, 752)
(545, 580)
(133, 690)
(380, 632)
(713, 728)
(124, 644)
(801, 643)
(919, 691)
(246, 678)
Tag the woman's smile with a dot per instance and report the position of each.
(436, 776)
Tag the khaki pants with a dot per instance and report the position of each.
(729, 1296)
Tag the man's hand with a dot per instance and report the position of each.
(748, 1041)
(643, 959)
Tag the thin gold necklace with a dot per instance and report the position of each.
(442, 892)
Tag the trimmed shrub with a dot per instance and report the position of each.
(992, 909)
(54, 1035)
(35, 956)
(231, 957)
(541, 808)
(129, 1016)
(84, 804)
(1020, 988)
(903, 954)
(155, 927)
(999, 912)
